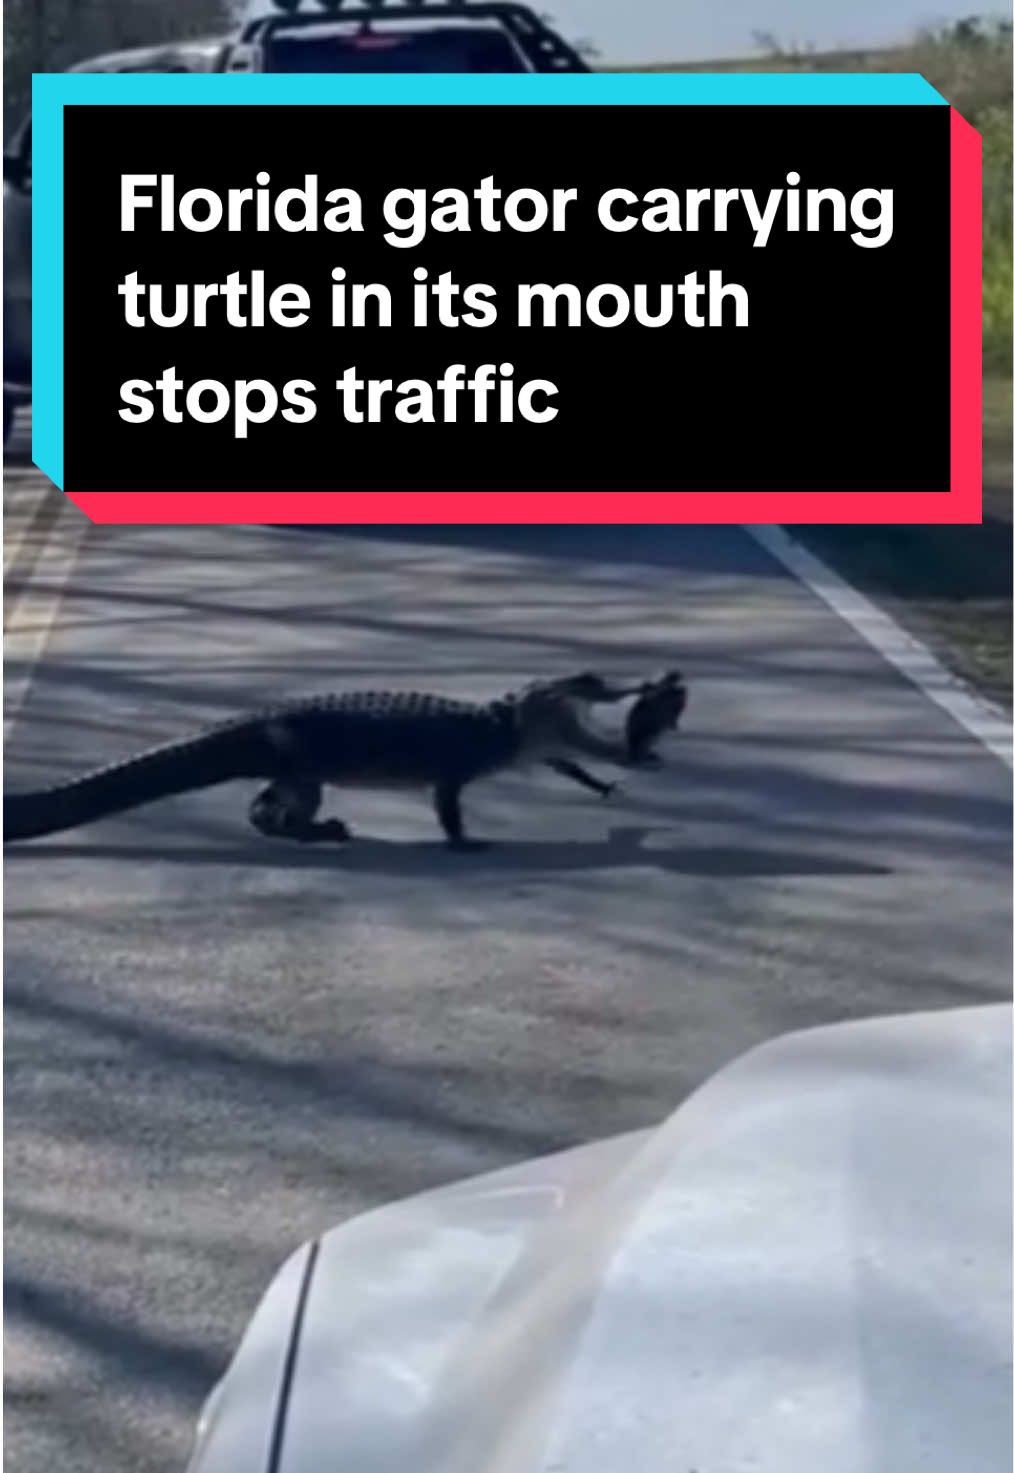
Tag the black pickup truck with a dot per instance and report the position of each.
(17, 274)
(397, 36)
(487, 36)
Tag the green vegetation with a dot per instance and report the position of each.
(997, 185)
(969, 63)
(950, 585)
(51, 35)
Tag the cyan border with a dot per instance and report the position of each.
(52, 92)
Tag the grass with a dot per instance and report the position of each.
(969, 63)
(949, 585)
(994, 123)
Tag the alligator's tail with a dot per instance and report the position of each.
(213, 757)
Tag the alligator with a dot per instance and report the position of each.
(362, 739)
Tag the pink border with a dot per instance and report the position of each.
(962, 503)
(966, 321)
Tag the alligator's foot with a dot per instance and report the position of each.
(447, 801)
(329, 831)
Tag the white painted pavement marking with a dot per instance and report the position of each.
(27, 507)
(33, 615)
(985, 721)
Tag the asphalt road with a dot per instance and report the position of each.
(217, 1047)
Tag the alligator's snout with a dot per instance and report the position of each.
(593, 689)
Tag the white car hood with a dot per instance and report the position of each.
(806, 1269)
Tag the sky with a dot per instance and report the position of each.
(643, 31)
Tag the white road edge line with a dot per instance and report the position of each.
(988, 723)
(28, 634)
(19, 512)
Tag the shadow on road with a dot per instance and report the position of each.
(654, 546)
(124, 1345)
(207, 1065)
(625, 847)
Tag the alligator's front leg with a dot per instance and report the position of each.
(447, 802)
(579, 775)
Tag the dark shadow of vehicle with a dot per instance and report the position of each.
(624, 848)
(17, 274)
(702, 548)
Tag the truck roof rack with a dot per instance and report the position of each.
(542, 48)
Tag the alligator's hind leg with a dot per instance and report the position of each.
(286, 810)
(447, 801)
